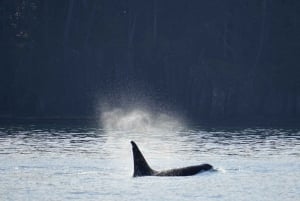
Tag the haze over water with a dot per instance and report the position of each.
(71, 161)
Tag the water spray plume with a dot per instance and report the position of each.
(139, 120)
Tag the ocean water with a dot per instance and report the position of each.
(82, 162)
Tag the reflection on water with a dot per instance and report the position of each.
(31, 139)
(90, 163)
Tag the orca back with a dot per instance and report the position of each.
(141, 167)
(185, 171)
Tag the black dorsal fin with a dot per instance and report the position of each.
(141, 167)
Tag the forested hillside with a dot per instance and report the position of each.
(213, 60)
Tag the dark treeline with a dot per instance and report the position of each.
(213, 59)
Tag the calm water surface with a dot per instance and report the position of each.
(63, 162)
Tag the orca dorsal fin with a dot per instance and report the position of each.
(141, 167)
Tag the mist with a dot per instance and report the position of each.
(140, 120)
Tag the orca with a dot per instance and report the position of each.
(141, 167)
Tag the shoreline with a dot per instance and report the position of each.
(253, 122)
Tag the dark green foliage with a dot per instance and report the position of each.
(214, 59)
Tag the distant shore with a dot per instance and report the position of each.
(234, 122)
